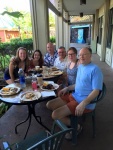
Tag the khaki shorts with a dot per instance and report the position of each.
(72, 103)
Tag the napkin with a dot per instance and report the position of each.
(48, 93)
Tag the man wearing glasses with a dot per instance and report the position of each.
(61, 60)
(89, 82)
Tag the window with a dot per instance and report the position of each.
(110, 27)
(100, 30)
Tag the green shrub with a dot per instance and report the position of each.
(52, 39)
(3, 108)
(7, 50)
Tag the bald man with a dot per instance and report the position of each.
(50, 56)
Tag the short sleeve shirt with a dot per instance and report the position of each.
(89, 78)
(49, 60)
(62, 65)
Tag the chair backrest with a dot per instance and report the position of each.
(44, 140)
(52, 142)
(55, 139)
(101, 94)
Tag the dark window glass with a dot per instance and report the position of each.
(100, 29)
(110, 27)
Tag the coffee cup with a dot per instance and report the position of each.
(40, 80)
(37, 68)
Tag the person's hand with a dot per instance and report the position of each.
(80, 109)
(62, 92)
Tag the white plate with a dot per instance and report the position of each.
(56, 86)
(10, 93)
(36, 97)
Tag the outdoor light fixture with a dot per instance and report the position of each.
(82, 2)
(81, 14)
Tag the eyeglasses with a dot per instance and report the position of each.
(61, 52)
(71, 54)
(83, 55)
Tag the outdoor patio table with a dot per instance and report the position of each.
(15, 100)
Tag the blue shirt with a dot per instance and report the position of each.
(49, 60)
(89, 78)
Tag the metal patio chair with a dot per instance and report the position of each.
(74, 119)
(43, 140)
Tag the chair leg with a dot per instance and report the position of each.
(74, 125)
(93, 123)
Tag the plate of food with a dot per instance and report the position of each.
(9, 90)
(49, 86)
(30, 96)
(55, 73)
(54, 69)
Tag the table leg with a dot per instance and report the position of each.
(39, 121)
(22, 123)
(31, 111)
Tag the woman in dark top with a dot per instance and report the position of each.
(37, 59)
(20, 61)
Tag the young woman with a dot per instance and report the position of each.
(72, 65)
(37, 59)
(20, 61)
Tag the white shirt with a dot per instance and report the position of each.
(62, 65)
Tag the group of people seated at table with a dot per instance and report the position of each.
(64, 61)
(84, 78)
(87, 85)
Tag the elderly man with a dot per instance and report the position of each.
(50, 56)
(61, 60)
(89, 82)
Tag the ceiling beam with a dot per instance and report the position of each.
(52, 7)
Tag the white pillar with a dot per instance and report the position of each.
(103, 44)
(66, 32)
(59, 25)
(40, 24)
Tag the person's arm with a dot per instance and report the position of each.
(81, 107)
(11, 69)
(65, 90)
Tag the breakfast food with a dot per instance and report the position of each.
(54, 68)
(56, 73)
(29, 95)
(48, 86)
(9, 90)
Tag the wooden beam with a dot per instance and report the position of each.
(52, 7)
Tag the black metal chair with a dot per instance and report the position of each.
(43, 140)
(74, 119)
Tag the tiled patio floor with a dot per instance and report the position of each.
(104, 120)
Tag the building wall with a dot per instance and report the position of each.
(6, 35)
(2, 35)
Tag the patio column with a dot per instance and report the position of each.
(103, 47)
(66, 32)
(59, 25)
(40, 24)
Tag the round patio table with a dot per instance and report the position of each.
(15, 100)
